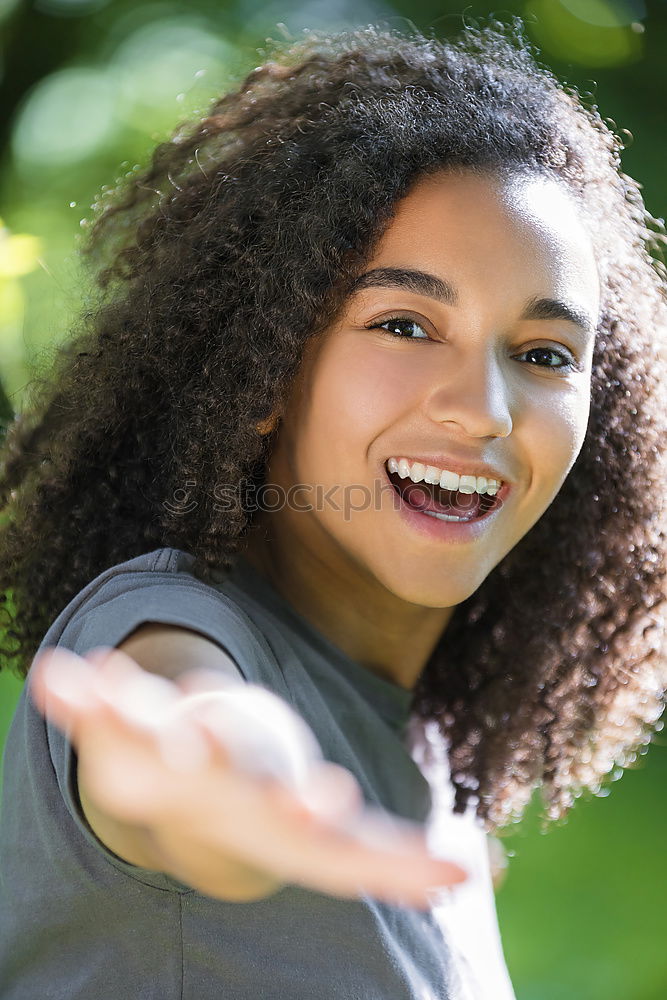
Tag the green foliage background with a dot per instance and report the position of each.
(86, 89)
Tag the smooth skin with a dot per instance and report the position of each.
(257, 807)
(379, 591)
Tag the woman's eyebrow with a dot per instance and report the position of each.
(427, 284)
(412, 281)
(555, 309)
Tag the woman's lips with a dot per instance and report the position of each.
(458, 530)
(425, 497)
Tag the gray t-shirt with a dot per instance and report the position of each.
(79, 923)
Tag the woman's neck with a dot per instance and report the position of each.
(390, 637)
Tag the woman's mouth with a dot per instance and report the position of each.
(442, 504)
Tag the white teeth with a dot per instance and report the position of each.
(449, 480)
(445, 517)
(468, 484)
(419, 472)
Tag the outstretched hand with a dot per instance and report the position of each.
(229, 782)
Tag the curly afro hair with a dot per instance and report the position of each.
(242, 239)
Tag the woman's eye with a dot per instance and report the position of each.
(401, 326)
(545, 356)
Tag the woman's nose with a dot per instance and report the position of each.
(474, 396)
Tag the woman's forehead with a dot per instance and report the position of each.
(447, 199)
(468, 222)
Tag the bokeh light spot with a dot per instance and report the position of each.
(65, 118)
(175, 60)
(590, 32)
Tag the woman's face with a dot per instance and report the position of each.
(467, 344)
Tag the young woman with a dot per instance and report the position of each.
(347, 494)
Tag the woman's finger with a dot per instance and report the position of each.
(253, 820)
(61, 686)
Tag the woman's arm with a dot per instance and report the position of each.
(164, 650)
(219, 783)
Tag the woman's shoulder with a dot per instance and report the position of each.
(159, 587)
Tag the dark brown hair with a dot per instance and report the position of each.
(241, 240)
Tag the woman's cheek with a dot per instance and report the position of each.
(557, 441)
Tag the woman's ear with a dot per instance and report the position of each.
(268, 425)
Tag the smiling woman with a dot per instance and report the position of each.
(411, 271)
(491, 271)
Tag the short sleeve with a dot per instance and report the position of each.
(105, 613)
(110, 617)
